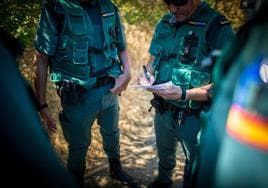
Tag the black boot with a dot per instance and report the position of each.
(187, 177)
(158, 184)
(117, 172)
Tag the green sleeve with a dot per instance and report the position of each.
(153, 49)
(46, 35)
(120, 33)
(226, 34)
(219, 33)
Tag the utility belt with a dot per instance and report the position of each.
(162, 106)
(103, 81)
(72, 93)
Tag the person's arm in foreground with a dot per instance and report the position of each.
(41, 62)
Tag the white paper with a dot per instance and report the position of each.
(162, 86)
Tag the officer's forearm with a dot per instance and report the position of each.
(199, 94)
(149, 65)
(40, 81)
(123, 55)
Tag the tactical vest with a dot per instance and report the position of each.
(179, 50)
(76, 44)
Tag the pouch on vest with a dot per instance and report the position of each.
(164, 34)
(181, 77)
(77, 22)
(198, 79)
(188, 49)
(80, 52)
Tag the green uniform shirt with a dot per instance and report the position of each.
(50, 29)
(179, 48)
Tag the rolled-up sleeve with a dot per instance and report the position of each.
(46, 35)
(153, 45)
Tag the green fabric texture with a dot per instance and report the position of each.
(246, 158)
(226, 160)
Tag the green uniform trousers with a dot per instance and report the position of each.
(168, 134)
(77, 120)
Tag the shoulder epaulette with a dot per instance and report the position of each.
(225, 22)
(197, 23)
(108, 14)
(222, 20)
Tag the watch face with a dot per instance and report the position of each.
(264, 71)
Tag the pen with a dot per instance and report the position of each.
(147, 74)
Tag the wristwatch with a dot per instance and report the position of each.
(183, 94)
(42, 106)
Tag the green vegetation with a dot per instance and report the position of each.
(21, 16)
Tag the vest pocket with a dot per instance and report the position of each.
(77, 23)
(199, 78)
(80, 52)
(163, 34)
(188, 49)
(62, 50)
(182, 78)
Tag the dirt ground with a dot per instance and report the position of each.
(137, 142)
(138, 146)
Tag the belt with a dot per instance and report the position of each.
(186, 111)
(103, 81)
(69, 85)
(162, 106)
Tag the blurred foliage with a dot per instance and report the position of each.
(231, 9)
(20, 17)
(141, 11)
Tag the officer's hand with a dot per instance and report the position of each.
(142, 80)
(173, 92)
(49, 121)
(121, 83)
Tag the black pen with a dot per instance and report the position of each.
(147, 74)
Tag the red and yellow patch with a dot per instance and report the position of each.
(248, 128)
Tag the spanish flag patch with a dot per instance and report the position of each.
(247, 127)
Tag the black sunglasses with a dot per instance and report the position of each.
(176, 2)
(179, 2)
